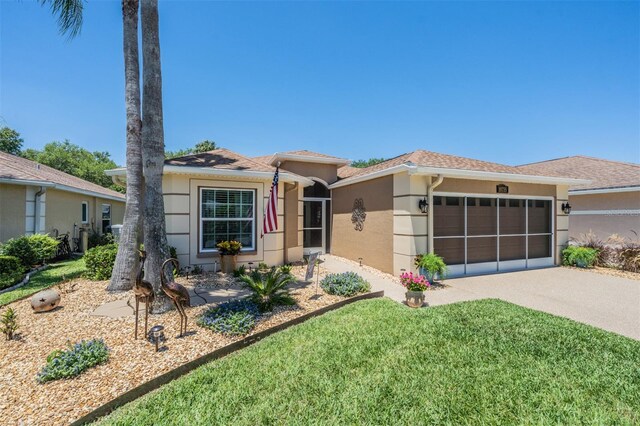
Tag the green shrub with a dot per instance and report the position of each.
(583, 257)
(269, 288)
(99, 261)
(11, 271)
(31, 249)
(234, 318)
(73, 361)
(344, 284)
(95, 239)
(263, 266)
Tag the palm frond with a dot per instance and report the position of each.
(69, 14)
(269, 288)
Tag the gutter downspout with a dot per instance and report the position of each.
(38, 209)
(430, 187)
(285, 256)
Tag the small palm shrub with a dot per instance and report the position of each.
(582, 257)
(230, 248)
(286, 269)
(9, 323)
(11, 271)
(64, 364)
(240, 271)
(99, 261)
(263, 266)
(234, 318)
(31, 249)
(345, 284)
(269, 288)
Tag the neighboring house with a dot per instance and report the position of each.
(609, 205)
(35, 198)
(481, 217)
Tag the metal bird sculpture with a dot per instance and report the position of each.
(177, 293)
(143, 291)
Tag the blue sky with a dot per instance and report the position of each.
(511, 82)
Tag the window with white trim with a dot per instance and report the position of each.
(85, 212)
(227, 214)
(106, 218)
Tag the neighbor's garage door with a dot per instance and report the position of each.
(486, 234)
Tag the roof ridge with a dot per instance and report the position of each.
(579, 156)
(461, 157)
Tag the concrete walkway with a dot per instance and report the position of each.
(604, 301)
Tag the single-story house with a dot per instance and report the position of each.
(35, 198)
(481, 217)
(608, 205)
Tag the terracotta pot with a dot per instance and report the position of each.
(415, 299)
(228, 263)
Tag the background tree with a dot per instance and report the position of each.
(131, 235)
(367, 163)
(69, 14)
(76, 161)
(155, 237)
(10, 141)
(204, 146)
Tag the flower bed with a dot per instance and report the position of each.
(131, 363)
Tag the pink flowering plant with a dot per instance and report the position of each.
(414, 282)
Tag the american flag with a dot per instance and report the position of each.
(270, 222)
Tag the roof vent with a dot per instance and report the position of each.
(37, 166)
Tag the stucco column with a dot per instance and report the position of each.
(430, 187)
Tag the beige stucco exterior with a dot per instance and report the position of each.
(326, 172)
(182, 213)
(605, 214)
(58, 210)
(375, 243)
(12, 211)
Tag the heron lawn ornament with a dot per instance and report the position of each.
(143, 291)
(177, 293)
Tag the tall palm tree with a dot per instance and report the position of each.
(124, 270)
(69, 14)
(155, 237)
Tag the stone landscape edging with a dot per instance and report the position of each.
(180, 371)
(26, 279)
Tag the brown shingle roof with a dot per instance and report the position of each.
(433, 159)
(220, 159)
(311, 154)
(347, 171)
(602, 173)
(18, 168)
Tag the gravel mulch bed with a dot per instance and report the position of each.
(609, 271)
(131, 363)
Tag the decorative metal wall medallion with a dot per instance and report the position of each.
(359, 214)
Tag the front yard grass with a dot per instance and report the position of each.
(54, 274)
(378, 362)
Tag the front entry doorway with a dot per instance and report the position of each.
(316, 219)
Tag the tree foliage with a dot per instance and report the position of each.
(204, 146)
(76, 161)
(366, 163)
(10, 141)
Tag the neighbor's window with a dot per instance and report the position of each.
(85, 212)
(106, 218)
(227, 214)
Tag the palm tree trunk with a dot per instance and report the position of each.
(125, 268)
(155, 237)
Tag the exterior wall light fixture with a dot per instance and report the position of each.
(423, 205)
(566, 208)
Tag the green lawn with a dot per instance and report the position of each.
(378, 362)
(54, 274)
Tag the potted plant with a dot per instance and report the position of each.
(431, 266)
(416, 286)
(228, 255)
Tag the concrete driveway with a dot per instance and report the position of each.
(608, 302)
